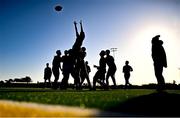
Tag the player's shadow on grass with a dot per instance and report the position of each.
(155, 104)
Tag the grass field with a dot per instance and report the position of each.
(85, 99)
(132, 100)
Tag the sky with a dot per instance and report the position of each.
(31, 31)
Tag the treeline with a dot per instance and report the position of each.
(26, 79)
(24, 84)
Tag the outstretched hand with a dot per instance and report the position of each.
(75, 23)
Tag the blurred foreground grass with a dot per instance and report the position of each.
(56, 103)
(26, 109)
(84, 99)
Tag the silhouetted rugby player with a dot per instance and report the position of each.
(55, 67)
(85, 73)
(83, 68)
(160, 61)
(47, 74)
(126, 70)
(76, 54)
(67, 68)
(100, 74)
(112, 68)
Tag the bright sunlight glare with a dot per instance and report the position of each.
(140, 49)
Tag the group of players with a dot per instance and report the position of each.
(73, 64)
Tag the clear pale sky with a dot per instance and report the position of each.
(31, 31)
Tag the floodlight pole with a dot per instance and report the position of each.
(113, 50)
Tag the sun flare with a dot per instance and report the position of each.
(140, 46)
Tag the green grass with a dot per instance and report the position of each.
(86, 99)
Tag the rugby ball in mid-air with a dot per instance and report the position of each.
(58, 8)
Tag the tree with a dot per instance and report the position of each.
(27, 79)
(9, 81)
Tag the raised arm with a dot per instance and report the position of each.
(82, 32)
(75, 25)
(81, 26)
